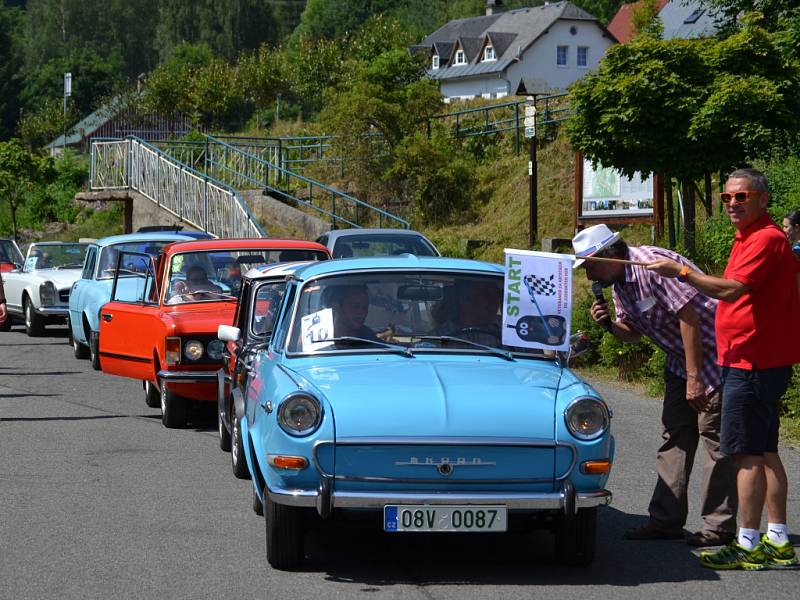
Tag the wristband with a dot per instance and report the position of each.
(683, 274)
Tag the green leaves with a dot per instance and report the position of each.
(687, 106)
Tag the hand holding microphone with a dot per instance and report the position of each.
(599, 307)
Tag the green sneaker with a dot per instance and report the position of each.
(733, 556)
(779, 557)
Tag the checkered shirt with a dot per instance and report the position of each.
(650, 303)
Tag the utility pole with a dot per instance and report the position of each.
(530, 133)
(67, 94)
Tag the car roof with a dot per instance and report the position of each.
(277, 269)
(400, 262)
(335, 234)
(156, 236)
(59, 244)
(244, 243)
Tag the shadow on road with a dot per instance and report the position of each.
(357, 553)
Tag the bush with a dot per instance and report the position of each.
(790, 403)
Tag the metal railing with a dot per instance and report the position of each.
(246, 170)
(508, 116)
(194, 197)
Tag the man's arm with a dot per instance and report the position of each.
(727, 290)
(693, 349)
(619, 329)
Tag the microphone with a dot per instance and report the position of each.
(597, 290)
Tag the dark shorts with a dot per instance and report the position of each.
(750, 409)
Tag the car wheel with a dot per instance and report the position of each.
(34, 324)
(78, 349)
(238, 461)
(173, 409)
(258, 507)
(284, 534)
(152, 397)
(224, 434)
(94, 349)
(576, 539)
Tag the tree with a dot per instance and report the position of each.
(19, 171)
(168, 86)
(10, 66)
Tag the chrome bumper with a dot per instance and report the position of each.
(191, 376)
(53, 311)
(566, 500)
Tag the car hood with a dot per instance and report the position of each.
(472, 396)
(61, 278)
(202, 318)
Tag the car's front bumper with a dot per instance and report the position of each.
(325, 499)
(53, 311)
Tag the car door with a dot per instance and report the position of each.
(78, 292)
(130, 323)
(13, 284)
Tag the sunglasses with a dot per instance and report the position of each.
(739, 197)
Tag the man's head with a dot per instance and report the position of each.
(350, 304)
(196, 275)
(478, 302)
(745, 197)
(599, 241)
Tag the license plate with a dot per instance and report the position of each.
(429, 517)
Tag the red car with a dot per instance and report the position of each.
(161, 323)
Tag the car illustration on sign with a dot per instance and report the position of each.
(160, 325)
(385, 387)
(39, 291)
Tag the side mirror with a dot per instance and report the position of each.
(578, 344)
(228, 333)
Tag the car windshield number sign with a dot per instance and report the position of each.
(468, 518)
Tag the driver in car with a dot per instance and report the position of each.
(196, 286)
(475, 314)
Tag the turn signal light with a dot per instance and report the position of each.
(596, 467)
(287, 462)
(173, 351)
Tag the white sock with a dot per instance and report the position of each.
(778, 533)
(748, 538)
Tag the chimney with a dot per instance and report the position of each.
(491, 5)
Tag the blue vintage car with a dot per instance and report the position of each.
(93, 289)
(385, 387)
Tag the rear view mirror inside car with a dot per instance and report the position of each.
(419, 292)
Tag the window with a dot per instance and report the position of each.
(461, 58)
(488, 53)
(692, 18)
(561, 56)
(435, 61)
(583, 56)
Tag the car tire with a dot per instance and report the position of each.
(152, 396)
(173, 409)
(223, 433)
(34, 324)
(576, 539)
(238, 461)
(258, 507)
(283, 524)
(80, 351)
(94, 349)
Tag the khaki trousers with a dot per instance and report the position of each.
(683, 428)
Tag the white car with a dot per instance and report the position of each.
(39, 291)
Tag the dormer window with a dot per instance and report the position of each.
(435, 61)
(460, 58)
(488, 53)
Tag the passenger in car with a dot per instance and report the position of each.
(350, 305)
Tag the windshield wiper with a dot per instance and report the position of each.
(356, 340)
(451, 338)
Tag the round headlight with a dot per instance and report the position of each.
(215, 348)
(587, 418)
(193, 350)
(299, 414)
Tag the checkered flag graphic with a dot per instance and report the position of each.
(540, 286)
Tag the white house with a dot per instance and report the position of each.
(538, 49)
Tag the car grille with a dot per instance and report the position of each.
(63, 295)
(440, 463)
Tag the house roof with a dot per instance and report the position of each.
(688, 19)
(511, 33)
(621, 26)
(88, 125)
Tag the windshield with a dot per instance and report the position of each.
(384, 244)
(423, 311)
(216, 276)
(110, 254)
(55, 256)
(9, 252)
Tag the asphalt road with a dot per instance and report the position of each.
(98, 500)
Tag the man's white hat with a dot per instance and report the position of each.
(591, 240)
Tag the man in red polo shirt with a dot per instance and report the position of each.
(759, 310)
